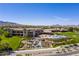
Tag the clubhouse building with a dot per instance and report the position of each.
(33, 32)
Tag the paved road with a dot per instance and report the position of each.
(75, 53)
(35, 51)
(68, 54)
(45, 52)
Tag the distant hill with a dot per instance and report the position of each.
(12, 24)
(3, 23)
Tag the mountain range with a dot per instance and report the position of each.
(5, 23)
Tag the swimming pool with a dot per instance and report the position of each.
(58, 36)
(53, 36)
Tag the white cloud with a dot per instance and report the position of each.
(57, 18)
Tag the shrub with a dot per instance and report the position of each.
(19, 55)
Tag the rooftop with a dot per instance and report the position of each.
(26, 28)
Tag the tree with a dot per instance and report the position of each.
(76, 29)
(1, 31)
(71, 29)
(0, 39)
(6, 34)
(5, 46)
(5, 49)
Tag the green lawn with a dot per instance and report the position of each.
(69, 34)
(73, 35)
(14, 41)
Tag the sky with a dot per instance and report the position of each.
(40, 13)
